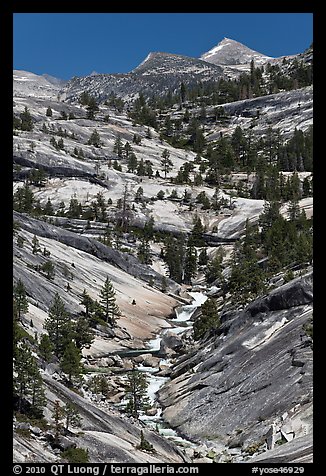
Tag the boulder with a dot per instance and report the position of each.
(165, 371)
(115, 398)
(151, 411)
(36, 430)
(127, 364)
(170, 345)
(65, 443)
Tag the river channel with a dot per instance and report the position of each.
(155, 382)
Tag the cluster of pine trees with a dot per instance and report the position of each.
(275, 244)
(63, 341)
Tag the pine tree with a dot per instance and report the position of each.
(139, 194)
(75, 208)
(208, 320)
(108, 303)
(141, 169)
(214, 269)
(58, 325)
(38, 399)
(143, 252)
(60, 144)
(83, 334)
(91, 108)
(49, 112)
(71, 414)
(190, 266)
(20, 241)
(26, 120)
(118, 147)
(132, 162)
(45, 348)
(28, 382)
(70, 362)
(94, 139)
(136, 392)
(144, 444)
(49, 269)
(35, 245)
(57, 416)
(203, 258)
(196, 234)
(166, 162)
(23, 199)
(183, 92)
(174, 253)
(88, 302)
(48, 209)
(20, 299)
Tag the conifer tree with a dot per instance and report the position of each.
(166, 162)
(208, 320)
(144, 444)
(108, 303)
(214, 268)
(87, 302)
(70, 362)
(45, 348)
(26, 120)
(203, 258)
(94, 139)
(35, 245)
(20, 241)
(118, 147)
(23, 199)
(58, 325)
(190, 266)
(60, 144)
(174, 252)
(132, 162)
(28, 382)
(83, 334)
(49, 269)
(20, 299)
(136, 392)
(196, 234)
(49, 112)
(143, 252)
(71, 414)
(141, 169)
(91, 108)
(48, 209)
(57, 416)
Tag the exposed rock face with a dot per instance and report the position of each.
(286, 111)
(94, 247)
(238, 384)
(299, 450)
(159, 72)
(231, 52)
(107, 436)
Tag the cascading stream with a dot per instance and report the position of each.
(184, 314)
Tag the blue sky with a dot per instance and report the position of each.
(75, 44)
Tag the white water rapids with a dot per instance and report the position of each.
(183, 314)
(155, 382)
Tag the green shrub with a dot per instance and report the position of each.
(75, 455)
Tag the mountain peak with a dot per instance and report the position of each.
(232, 52)
(159, 63)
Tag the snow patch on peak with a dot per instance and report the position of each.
(232, 52)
